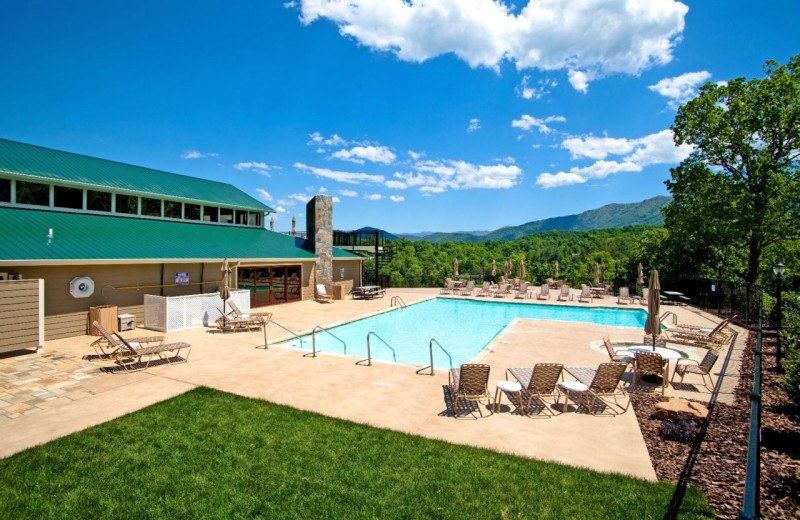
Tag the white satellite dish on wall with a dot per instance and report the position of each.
(81, 287)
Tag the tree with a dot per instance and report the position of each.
(739, 191)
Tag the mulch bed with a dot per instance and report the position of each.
(719, 468)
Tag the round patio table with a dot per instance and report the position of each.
(666, 353)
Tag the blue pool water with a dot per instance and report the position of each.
(463, 327)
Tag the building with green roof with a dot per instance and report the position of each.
(135, 231)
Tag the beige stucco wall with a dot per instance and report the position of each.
(351, 277)
(20, 314)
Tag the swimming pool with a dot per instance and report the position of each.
(462, 327)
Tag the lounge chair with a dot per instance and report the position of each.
(322, 295)
(522, 291)
(540, 382)
(624, 296)
(470, 382)
(619, 356)
(650, 363)
(485, 289)
(468, 290)
(544, 293)
(564, 294)
(586, 294)
(449, 287)
(227, 322)
(107, 345)
(703, 368)
(502, 290)
(645, 296)
(708, 338)
(130, 355)
(602, 383)
(257, 316)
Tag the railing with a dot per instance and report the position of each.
(369, 351)
(430, 349)
(724, 298)
(668, 313)
(314, 340)
(751, 505)
(267, 322)
(399, 301)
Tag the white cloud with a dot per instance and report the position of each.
(357, 154)
(318, 139)
(396, 185)
(197, 154)
(280, 209)
(439, 176)
(658, 148)
(474, 124)
(336, 199)
(681, 89)
(264, 195)
(579, 80)
(301, 197)
(348, 177)
(588, 38)
(526, 91)
(396, 198)
(258, 167)
(527, 122)
(415, 155)
(373, 196)
(348, 193)
(286, 202)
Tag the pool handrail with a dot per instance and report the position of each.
(398, 300)
(314, 340)
(369, 352)
(674, 317)
(430, 349)
(270, 320)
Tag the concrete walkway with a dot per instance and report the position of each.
(384, 395)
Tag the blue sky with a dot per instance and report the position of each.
(444, 115)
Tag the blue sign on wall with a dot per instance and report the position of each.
(181, 278)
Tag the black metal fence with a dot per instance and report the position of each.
(724, 298)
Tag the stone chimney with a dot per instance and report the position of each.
(319, 230)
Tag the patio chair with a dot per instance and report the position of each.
(227, 322)
(130, 355)
(645, 296)
(540, 382)
(522, 291)
(544, 294)
(564, 294)
(703, 368)
(468, 290)
(619, 356)
(708, 338)
(484, 290)
(470, 382)
(106, 345)
(322, 295)
(624, 296)
(255, 316)
(650, 363)
(502, 290)
(601, 384)
(449, 287)
(586, 294)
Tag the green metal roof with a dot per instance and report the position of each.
(78, 236)
(36, 162)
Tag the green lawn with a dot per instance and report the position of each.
(208, 454)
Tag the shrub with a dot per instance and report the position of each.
(681, 429)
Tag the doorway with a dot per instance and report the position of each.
(271, 285)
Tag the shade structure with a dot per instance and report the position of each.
(224, 290)
(603, 273)
(294, 226)
(653, 324)
(640, 276)
(507, 269)
(494, 269)
(272, 223)
(455, 268)
(596, 274)
(555, 270)
(522, 269)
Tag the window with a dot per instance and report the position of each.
(172, 209)
(64, 197)
(226, 215)
(191, 211)
(5, 190)
(151, 207)
(241, 217)
(98, 200)
(254, 219)
(33, 193)
(127, 204)
(210, 214)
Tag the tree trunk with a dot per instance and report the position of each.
(754, 257)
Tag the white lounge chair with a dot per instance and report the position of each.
(544, 294)
(322, 294)
(624, 296)
(522, 291)
(485, 289)
(586, 293)
(564, 294)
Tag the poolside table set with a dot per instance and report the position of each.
(368, 292)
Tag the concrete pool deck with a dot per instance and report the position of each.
(384, 395)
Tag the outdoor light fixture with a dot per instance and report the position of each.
(779, 269)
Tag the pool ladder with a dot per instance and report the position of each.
(674, 317)
(430, 350)
(267, 322)
(399, 301)
(314, 340)
(369, 352)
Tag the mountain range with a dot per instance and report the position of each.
(646, 212)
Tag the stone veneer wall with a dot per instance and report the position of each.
(319, 229)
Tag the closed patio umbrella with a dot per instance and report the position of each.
(507, 269)
(603, 273)
(555, 270)
(640, 279)
(596, 274)
(653, 324)
(224, 290)
(494, 270)
(455, 268)
(522, 269)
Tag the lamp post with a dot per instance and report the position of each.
(779, 269)
(719, 288)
